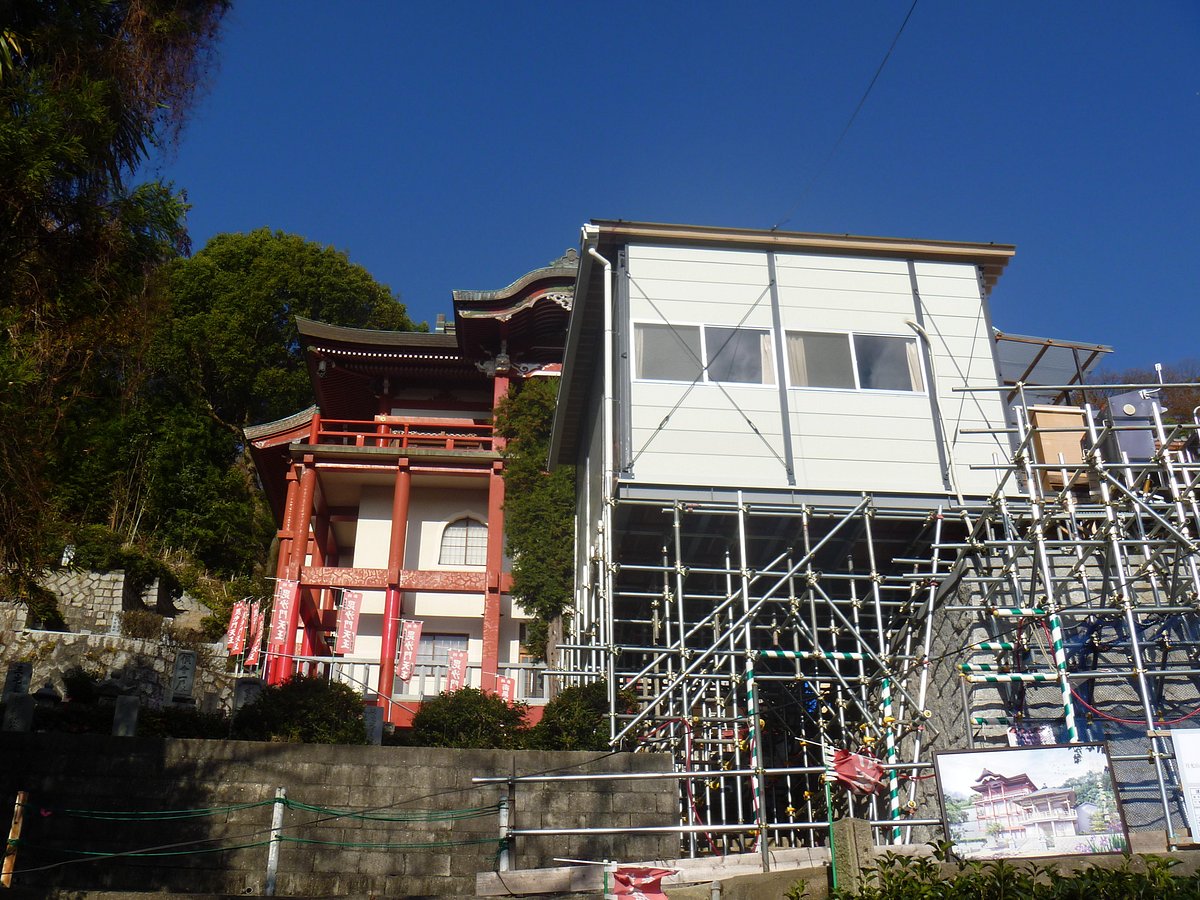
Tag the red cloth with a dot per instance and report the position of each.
(640, 882)
(861, 774)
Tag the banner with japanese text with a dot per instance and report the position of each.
(410, 638)
(456, 677)
(281, 615)
(236, 637)
(254, 646)
(506, 689)
(347, 621)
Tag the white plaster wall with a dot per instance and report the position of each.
(371, 539)
(430, 510)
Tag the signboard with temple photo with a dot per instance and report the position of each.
(1030, 801)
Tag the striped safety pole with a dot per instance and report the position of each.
(1011, 678)
(1060, 663)
(890, 743)
(756, 780)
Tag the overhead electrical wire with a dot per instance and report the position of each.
(820, 170)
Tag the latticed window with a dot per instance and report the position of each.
(464, 543)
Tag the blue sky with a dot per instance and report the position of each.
(458, 145)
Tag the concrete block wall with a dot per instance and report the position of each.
(428, 855)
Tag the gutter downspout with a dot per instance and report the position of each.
(951, 468)
(590, 235)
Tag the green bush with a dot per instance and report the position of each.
(81, 684)
(141, 623)
(469, 718)
(577, 719)
(303, 710)
(898, 877)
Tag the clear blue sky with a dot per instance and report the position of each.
(457, 145)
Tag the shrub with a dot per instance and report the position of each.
(80, 684)
(897, 877)
(141, 623)
(577, 719)
(304, 710)
(469, 718)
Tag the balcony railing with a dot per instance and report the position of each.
(392, 433)
(428, 680)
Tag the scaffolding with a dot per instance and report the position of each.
(752, 638)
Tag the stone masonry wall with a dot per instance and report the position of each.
(88, 601)
(142, 667)
(322, 855)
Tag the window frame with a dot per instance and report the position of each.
(858, 387)
(467, 546)
(705, 363)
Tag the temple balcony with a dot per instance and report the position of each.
(406, 433)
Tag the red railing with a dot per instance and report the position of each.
(394, 433)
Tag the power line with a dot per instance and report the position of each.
(820, 170)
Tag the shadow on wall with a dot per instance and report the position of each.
(419, 825)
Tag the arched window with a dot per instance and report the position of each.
(464, 543)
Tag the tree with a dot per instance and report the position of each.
(1178, 402)
(469, 718)
(232, 337)
(87, 87)
(539, 507)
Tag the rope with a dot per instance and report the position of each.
(415, 816)
(117, 815)
(427, 845)
(1121, 721)
(123, 853)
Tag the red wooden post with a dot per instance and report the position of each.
(392, 602)
(301, 515)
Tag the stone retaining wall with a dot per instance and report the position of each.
(141, 667)
(438, 856)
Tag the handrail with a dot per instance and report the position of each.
(402, 435)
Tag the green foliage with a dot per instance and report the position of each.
(577, 719)
(232, 338)
(898, 877)
(81, 684)
(87, 87)
(141, 623)
(539, 507)
(469, 718)
(100, 549)
(303, 710)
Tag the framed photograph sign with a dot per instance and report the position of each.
(1030, 801)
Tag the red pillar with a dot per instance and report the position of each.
(495, 565)
(495, 554)
(301, 515)
(392, 602)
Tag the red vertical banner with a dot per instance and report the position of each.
(254, 647)
(279, 640)
(506, 689)
(410, 638)
(456, 677)
(347, 621)
(236, 638)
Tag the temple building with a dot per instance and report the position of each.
(390, 489)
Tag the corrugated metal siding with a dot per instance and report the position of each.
(843, 439)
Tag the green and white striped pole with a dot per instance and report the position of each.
(1060, 663)
(890, 744)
